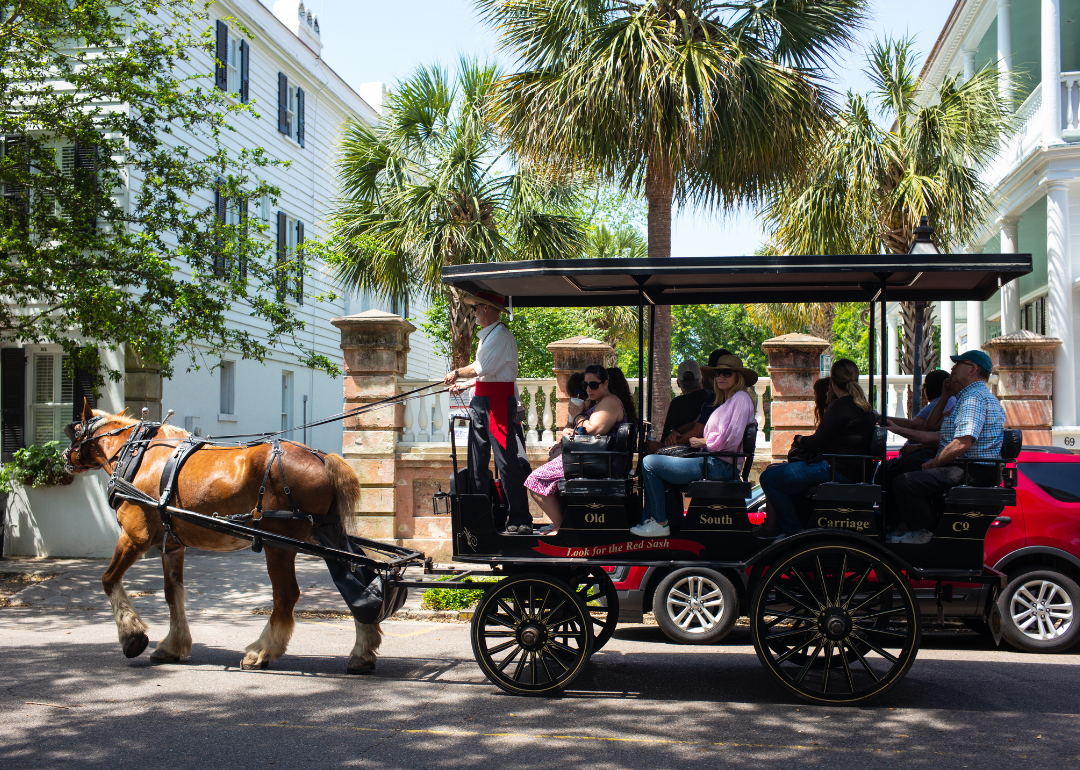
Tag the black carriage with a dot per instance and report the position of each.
(832, 612)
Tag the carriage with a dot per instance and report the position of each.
(833, 616)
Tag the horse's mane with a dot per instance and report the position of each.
(168, 431)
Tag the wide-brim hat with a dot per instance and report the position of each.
(734, 363)
(484, 297)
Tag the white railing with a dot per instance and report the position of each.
(1026, 138)
(1070, 101)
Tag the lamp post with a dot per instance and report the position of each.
(923, 244)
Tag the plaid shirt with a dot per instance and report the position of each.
(978, 414)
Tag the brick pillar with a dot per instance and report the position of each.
(1024, 363)
(794, 364)
(375, 346)
(573, 355)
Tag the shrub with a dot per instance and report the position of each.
(35, 466)
(454, 598)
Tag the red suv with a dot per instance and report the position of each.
(1036, 543)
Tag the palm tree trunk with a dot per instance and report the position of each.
(659, 192)
(461, 329)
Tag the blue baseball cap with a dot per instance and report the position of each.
(977, 357)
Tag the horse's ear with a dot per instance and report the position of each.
(87, 412)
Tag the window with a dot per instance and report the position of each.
(290, 257)
(230, 215)
(265, 205)
(290, 109)
(1033, 315)
(286, 400)
(15, 198)
(231, 66)
(52, 397)
(1059, 480)
(228, 388)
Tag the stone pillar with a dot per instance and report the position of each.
(947, 310)
(1024, 363)
(1004, 32)
(375, 346)
(1010, 292)
(573, 355)
(794, 364)
(893, 346)
(1051, 71)
(1060, 301)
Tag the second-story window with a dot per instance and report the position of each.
(290, 109)
(231, 68)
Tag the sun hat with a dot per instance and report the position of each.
(732, 362)
(484, 297)
(977, 357)
(689, 373)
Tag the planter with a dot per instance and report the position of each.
(70, 520)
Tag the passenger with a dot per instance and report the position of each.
(846, 428)
(919, 448)
(575, 386)
(684, 410)
(713, 358)
(698, 429)
(609, 409)
(823, 396)
(723, 433)
(974, 429)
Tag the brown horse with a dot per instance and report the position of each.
(225, 481)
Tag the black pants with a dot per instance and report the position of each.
(898, 466)
(913, 493)
(512, 462)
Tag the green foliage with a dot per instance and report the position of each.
(851, 337)
(38, 465)
(697, 330)
(454, 598)
(154, 269)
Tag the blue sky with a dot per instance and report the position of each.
(367, 41)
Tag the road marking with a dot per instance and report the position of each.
(412, 633)
(544, 736)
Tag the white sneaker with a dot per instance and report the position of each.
(651, 529)
(917, 537)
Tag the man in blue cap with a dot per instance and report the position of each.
(974, 429)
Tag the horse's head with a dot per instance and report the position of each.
(88, 451)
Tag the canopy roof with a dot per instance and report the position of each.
(724, 280)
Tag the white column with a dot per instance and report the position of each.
(1004, 31)
(111, 395)
(1010, 292)
(969, 63)
(974, 326)
(893, 324)
(1060, 310)
(948, 333)
(1051, 71)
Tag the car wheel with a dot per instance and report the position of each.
(1039, 611)
(696, 606)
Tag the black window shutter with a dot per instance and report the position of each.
(16, 197)
(242, 205)
(299, 262)
(12, 401)
(221, 50)
(300, 116)
(83, 387)
(220, 202)
(245, 56)
(86, 170)
(282, 251)
(282, 103)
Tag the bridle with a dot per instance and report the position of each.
(85, 435)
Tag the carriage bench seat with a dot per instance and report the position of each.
(620, 488)
(981, 496)
(855, 493)
(724, 490)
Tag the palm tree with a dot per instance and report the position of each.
(870, 185)
(784, 318)
(687, 101)
(432, 185)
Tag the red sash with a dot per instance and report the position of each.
(498, 395)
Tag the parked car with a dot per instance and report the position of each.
(1035, 543)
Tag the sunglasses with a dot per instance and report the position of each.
(593, 385)
(723, 372)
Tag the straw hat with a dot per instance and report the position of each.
(732, 362)
(484, 297)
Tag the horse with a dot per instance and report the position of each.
(222, 481)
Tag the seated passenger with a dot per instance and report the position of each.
(846, 428)
(975, 428)
(918, 449)
(723, 433)
(575, 386)
(684, 410)
(611, 406)
(697, 430)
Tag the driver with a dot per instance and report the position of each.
(493, 422)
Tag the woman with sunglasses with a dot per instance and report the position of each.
(601, 415)
(723, 433)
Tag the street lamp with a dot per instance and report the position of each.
(923, 244)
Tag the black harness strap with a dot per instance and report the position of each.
(130, 458)
(258, 514)
(170, 474)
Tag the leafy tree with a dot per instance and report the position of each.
(91, 105)
(870, 185)
(688, 101)
(433, 186)
(700, 329)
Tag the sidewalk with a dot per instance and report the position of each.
(216, 583)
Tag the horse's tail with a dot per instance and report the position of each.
(346, 486)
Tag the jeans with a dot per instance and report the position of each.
(784, 486)
(676, 470)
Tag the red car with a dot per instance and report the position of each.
(1036, 543)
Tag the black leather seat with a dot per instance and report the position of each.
(967, 495)
(620, 485)
(727, 489)
(863, 491)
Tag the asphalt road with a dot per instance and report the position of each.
(68, 698)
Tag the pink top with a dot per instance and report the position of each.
(726, 425)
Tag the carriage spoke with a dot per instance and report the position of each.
(509, 659)
(847, 668)
(793, 632)
(873, 598)
(795, 650)
(532, 660)
(515, 617)
(520, 666)
(882, 631)
(882, 613)
(794, 600)
(500, 647)
(523, 609)
(565, 648)
(855, 590)
(887, 655)
(785, 616)
(809, 590)
(551, 613)
(810, 662)
(498, 619)
(863, 660)
(843, 577)
(821, 577)
(543, 661)
(828, 666)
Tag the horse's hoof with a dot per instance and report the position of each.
(134, 646)
(363, 668)
(164, 657)
(247, 665)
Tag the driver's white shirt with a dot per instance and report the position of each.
(497, 354)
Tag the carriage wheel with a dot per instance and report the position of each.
(601, 601)
(834, 623)
(531, 634)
